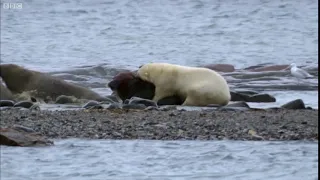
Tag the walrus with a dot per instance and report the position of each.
(261, 68)
(127, 84)
(5, 93)
(220, 67)
(19, 79)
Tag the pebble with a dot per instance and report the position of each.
(113, 99)
(238, 104)
(6, 103)
(233, 109)
(95, 107)
(172, 114)
(150, 108)
(126, 101)
(24, 104)
(168, 108)
(114, 106)
(63, 99)
(92, 105)
(134, 106)
(146, 102)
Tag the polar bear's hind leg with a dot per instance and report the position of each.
(199, 96)
(188, 102)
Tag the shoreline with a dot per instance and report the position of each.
(258, 125)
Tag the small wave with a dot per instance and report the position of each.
(77, 12)
(117, 160)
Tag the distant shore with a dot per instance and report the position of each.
(271, 124)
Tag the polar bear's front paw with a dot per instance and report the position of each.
(159, 94)
(156, 98)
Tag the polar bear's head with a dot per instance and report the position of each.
(144, 72)
(151, 71)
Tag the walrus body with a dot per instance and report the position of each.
(19, 79)
(127, 85)
(5, 93)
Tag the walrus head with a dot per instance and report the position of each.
(5, 93)
(15, 77)
(127, 85)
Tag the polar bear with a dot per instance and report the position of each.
(197, 86)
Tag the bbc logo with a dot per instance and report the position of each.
(12, 5)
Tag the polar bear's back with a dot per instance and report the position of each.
(201, 86)
(174, 70)
(199, 75)
(180, 75)
(208, 86)
(209, 83)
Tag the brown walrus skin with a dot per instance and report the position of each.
(19, 79)
(127, 84)
(262, 68)
(220, 67)
(5, 93)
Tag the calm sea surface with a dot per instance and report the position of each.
(75, 159)
(54, 35)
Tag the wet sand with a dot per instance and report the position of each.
(271, 124)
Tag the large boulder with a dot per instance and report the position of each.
(21, 136)
(235, 106)
(295, 104)
(241, 96)
(137, 100)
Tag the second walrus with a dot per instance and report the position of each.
(19, 79)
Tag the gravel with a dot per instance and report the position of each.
(271, 124)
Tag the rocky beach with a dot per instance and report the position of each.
(268, 124)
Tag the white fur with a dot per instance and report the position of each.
(199, 86)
